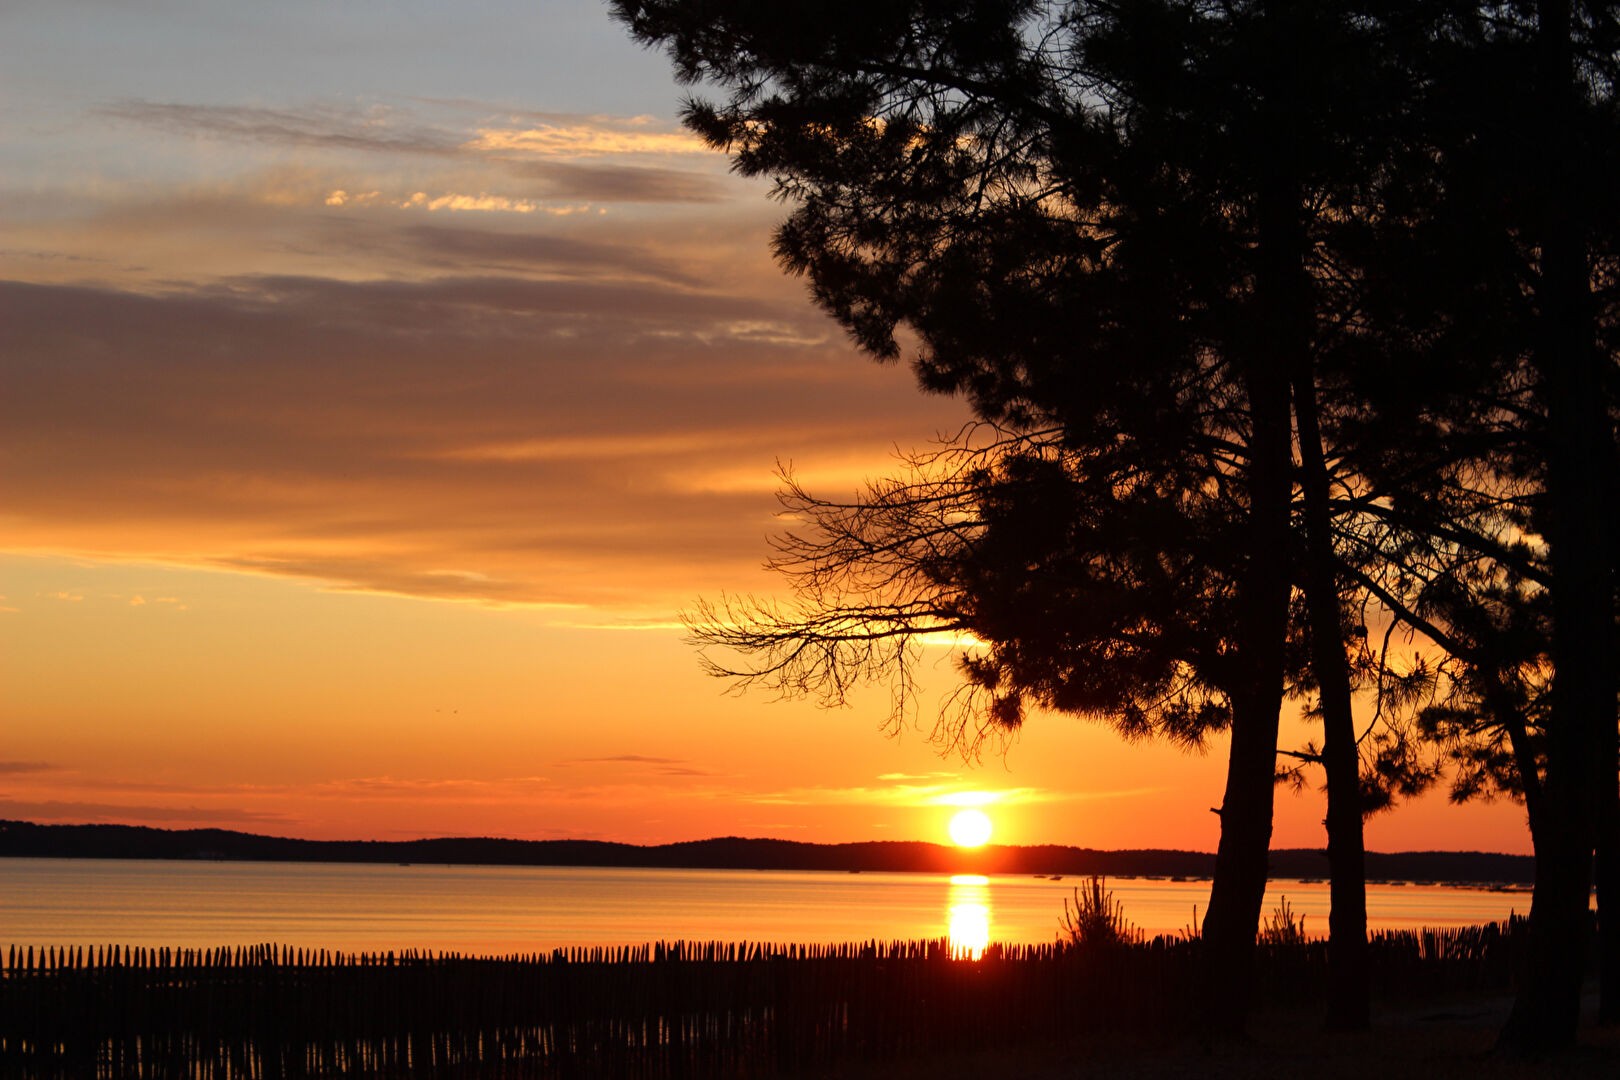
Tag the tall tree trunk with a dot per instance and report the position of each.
(1242, 859)
(1277, 343)
(1348, 986)
(1580, 457)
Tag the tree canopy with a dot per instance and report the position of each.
(1276, 331)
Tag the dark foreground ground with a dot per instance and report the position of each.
(1448, 1039)
(687, 1011)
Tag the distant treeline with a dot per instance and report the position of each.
(25, 839)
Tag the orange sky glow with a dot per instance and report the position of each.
(369, 417)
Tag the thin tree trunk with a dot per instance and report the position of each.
(1524, 759)
(1608, 894)
(1348, 989)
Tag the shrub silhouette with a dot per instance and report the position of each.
(1097, 920)
(1282, 928)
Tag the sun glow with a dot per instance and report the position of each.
(970, 828)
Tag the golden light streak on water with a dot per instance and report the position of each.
(968, 921)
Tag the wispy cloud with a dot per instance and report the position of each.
(586, 138)
(605, 159)
(956, 793)
(27, 768)
(483, 203)
(508, 789)
(377, 129)
(499, 438)
(619, 182)
(419, 361)
(661, 766)
(54, 811)
(389, 129)
(471, 250)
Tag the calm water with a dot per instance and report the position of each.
(492, 910)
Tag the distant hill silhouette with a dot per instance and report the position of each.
(26, 839)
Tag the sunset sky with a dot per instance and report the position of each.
(379, 382)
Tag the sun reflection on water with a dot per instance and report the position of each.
(968, 928)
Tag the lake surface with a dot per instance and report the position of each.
(492, 910)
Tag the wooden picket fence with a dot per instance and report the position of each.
(657, 1011)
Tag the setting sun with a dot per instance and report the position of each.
(970, 828)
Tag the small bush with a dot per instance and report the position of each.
(1096, 919)
(1282, 928)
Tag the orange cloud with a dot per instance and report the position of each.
(585, 140)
